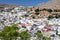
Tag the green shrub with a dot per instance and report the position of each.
(50, 17)
(37, 10)
(49, 10)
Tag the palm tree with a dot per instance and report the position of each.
(24, 35)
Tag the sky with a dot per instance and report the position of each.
(23, 2)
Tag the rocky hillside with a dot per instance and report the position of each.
(51, 4)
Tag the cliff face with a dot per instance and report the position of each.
(52, 4)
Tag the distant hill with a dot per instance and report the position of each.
(51, 4)
(2, 5)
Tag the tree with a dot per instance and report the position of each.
(49, 10)
(26, 15)
(53, 35)
(2, 11)
(33, 17)
(57, 16)
(6, 29)
(24, 26)
(59, 35)
(14, 27)
(24, 35)
(50, 17)
(4, 33)
(44, 9)
(56, 10)
(14, 34)
(13, 31)
(37, 10)
(37, 13)
(34, 25)
(46, 38)
(9, 32)
(12, 12)
(39, 34)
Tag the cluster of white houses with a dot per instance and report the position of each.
(16, 16)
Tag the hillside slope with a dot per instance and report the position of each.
(52, 4)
